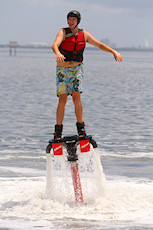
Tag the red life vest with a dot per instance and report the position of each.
(73, 46)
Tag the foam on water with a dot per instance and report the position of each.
(24, 199)
(36, 202)
(22, 170)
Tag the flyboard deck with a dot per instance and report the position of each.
(71, 143)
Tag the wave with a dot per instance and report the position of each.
(28, 154)
(131, 155)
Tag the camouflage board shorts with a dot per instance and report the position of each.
(69, 79)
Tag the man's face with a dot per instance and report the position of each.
(72, 22)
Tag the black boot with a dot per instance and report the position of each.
(81, 129)
(58, 132)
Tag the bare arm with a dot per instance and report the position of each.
(55, 47)
(91, 40)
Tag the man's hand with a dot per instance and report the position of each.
(60, 58)
(118, 56)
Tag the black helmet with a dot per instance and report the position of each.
(76, 14)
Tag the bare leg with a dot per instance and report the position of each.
(61, 109)
(78, 106)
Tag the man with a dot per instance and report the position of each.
(68, 47)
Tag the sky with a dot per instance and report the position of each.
(126, 23)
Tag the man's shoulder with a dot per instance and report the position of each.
(87, 35)
(67, 30)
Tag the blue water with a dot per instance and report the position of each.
(117, 104)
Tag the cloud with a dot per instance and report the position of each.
(108, 10)
(104, 6)
(44, 3)
(126, 4)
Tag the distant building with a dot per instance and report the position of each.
(146, 44)
(108, 42)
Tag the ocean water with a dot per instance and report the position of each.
(118, 112)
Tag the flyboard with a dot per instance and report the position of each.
(71, 143)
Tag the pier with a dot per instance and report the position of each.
(13, 45)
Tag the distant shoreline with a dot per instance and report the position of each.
(88, 48)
